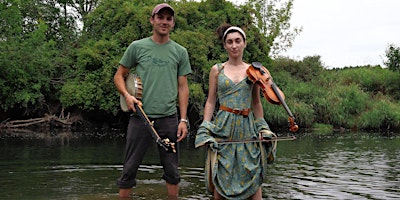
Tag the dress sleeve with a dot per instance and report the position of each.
(203, 135)
(261, 124)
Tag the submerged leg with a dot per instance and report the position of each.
(125, 193)
(173, 191)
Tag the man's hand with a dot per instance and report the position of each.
(130, 101)
(182, 131)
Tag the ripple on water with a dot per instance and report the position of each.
(335, 175)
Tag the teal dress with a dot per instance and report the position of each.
(235, 170)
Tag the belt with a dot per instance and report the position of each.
(245, 112)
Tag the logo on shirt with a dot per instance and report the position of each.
(158, 62)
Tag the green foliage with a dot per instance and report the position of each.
(272, 18)
(83, 8)
(121, 20)
(372, 79)
(306, 70)
(341, 97)
(196, 42)
(11, 20)
(322, 129)
(124, 21)
(197, 97)
(393, 57)
(46, 61)
(89, 93)
(302, 97)
(345, 105)
(35, 50)
(304, 106)
(26, 70)
(382, 114)
(92, 85)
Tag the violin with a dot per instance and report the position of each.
(260, 75)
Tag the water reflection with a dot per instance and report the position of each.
(86, 165)
(352, 168)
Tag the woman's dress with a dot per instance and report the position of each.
(235, 170)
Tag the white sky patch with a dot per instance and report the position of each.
(344, 32)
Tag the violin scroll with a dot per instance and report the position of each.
(258, 66)
(293, 126)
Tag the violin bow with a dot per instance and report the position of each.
(257, 140)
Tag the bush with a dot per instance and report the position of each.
(383, 114)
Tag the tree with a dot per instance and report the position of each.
(82, 7)
(47, 60)
(393, 57)
(272, 17)
(34, 50)
(27, 70)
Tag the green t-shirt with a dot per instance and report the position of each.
(158, 66)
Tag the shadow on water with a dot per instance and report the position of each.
(85, 165)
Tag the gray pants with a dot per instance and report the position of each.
(138, 139)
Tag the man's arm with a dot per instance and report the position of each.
(119, 81)
(183, 100)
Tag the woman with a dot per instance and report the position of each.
(234, 170)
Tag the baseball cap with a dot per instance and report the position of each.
(161, 6)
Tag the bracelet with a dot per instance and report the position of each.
(184, 120)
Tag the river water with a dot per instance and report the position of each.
(85, 165)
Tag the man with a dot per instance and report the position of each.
(162, 65)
